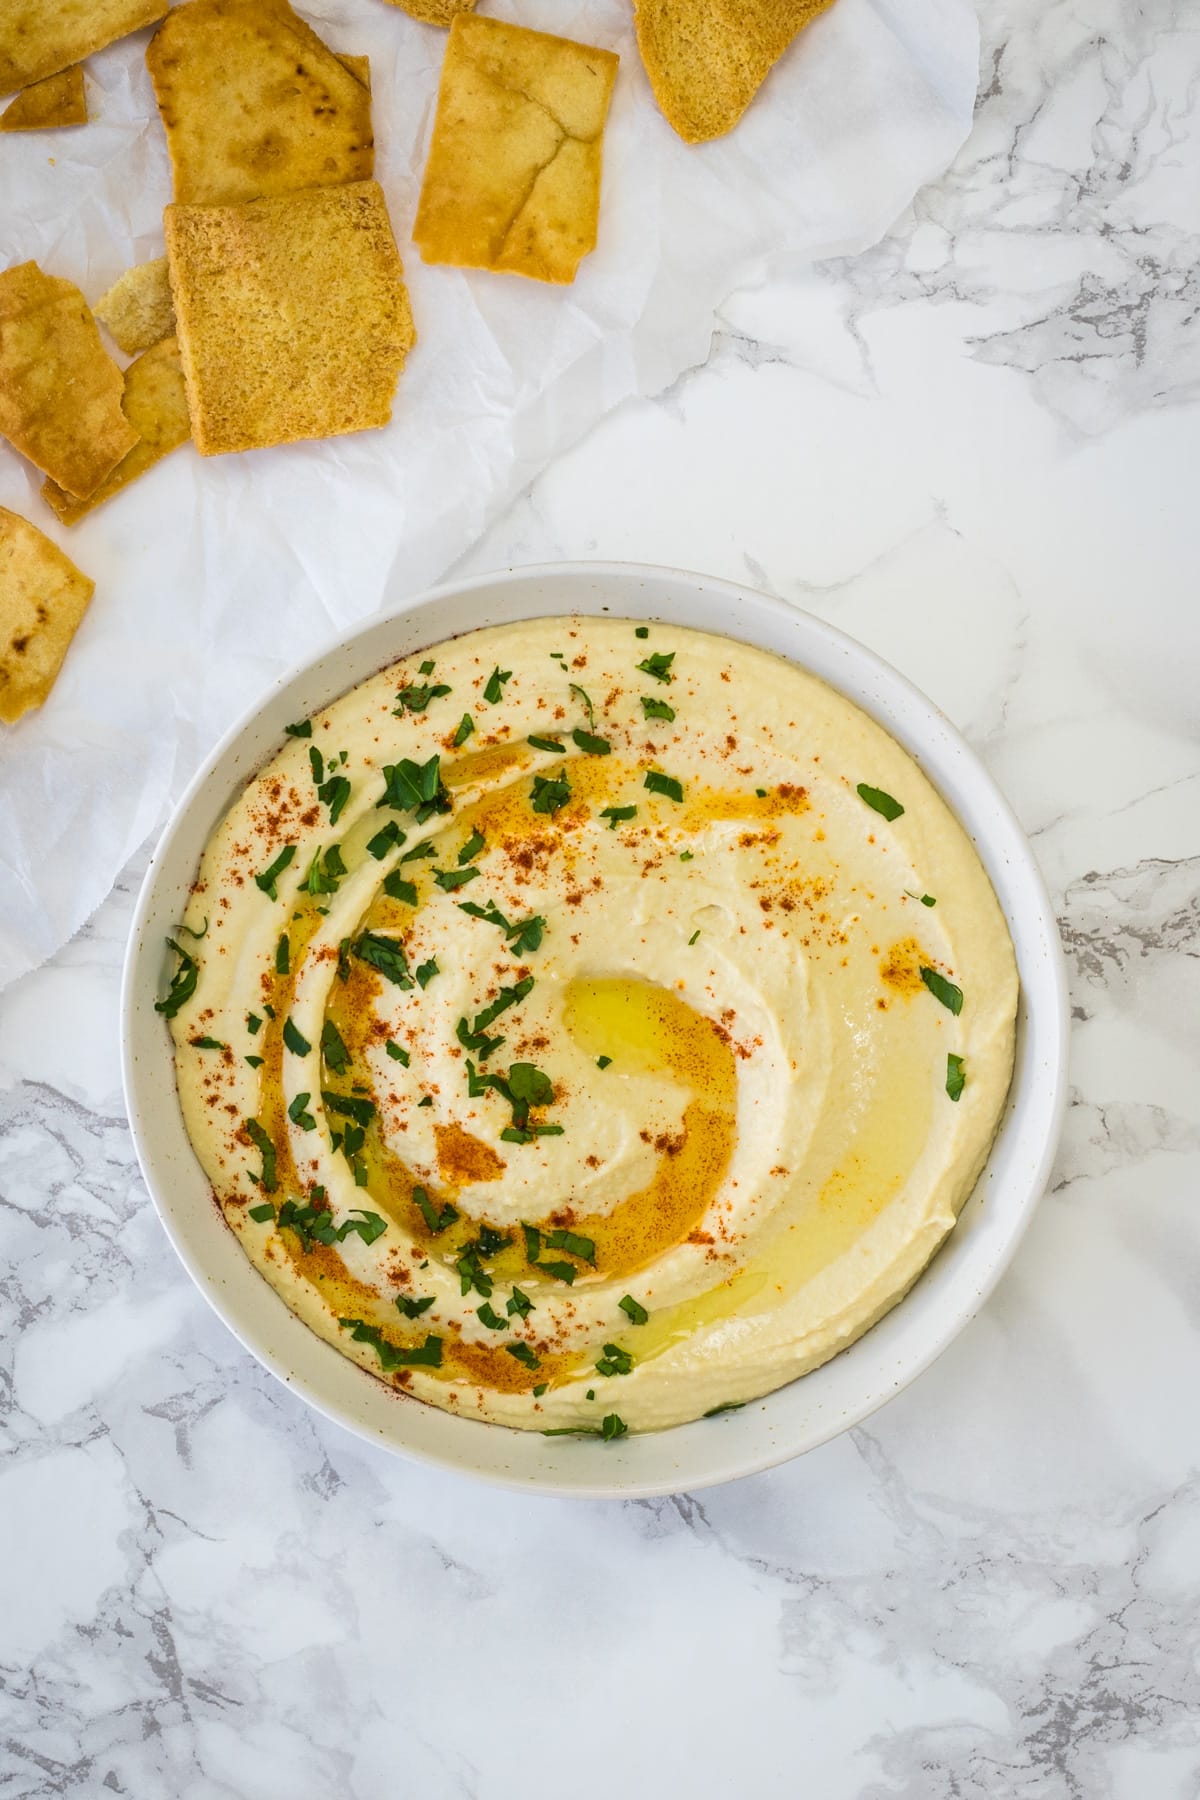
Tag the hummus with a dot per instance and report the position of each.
(588, 1026)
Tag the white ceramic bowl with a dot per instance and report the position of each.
(795, 1418)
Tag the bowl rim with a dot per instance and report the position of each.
(604, 1480)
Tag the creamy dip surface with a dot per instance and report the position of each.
(589, 1026)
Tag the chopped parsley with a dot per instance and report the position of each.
(336, 1055)
(419, 852)
(260, 1214)
(426, 971)
(428, 1356)
(663, 784)
(879, 801)
(256, 1062)
(523, 1354)
(302, 728)
(253, 1024)
(412, 1309)
(262, 1143)
(398, 1054)
(449, 879)
(942, 990)
(550, 793)
(641, 631)
(542, 743)
(472, 1273)
(471, 848)
(725, 1406)
(590, 744)
(588, 707)
(325, 872)
(466, 726)
(658, 665)
(956, 1076)
(602, 1062)
(615, 1361)
(294, 1040)
(488, 1316)
(334, 791)
(298, 1114)
(657, 709)
(385, 840)
(207, 1043)
(283, 956)
(693, 937)
(634, 1309)
(495, 684)
(581, 1247)
(396, 888)
(266, 881)
(416, 699)
(183, 982)
(611, 1426)
(615, 814)
(519, 1303)
(561, 1271)
(349, 1106)
(435, 1220)
(414, 787)
(385, 954)
(526, 934)
(540, 1389)
(473, 1036)
(928, 900)
(686, 856)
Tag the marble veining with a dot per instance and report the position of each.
(974, 448)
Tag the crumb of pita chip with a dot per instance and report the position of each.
(254, 103)
(43, 597)
(48, 105)
(60, 390)
(513, 177)
(156, 406)
(40, 37)
(292, 315)
(137, 308)
(707, 59)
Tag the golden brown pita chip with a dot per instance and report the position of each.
(60, 391)
(253, 103)
(513, 177)
(434, 12)
(40, 37)
(156, 406)
(707, 59)
(359, 67)
(48, 105)
(137, 309)
(292, 315)
(43, 597)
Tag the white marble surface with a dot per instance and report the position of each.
(975, 448)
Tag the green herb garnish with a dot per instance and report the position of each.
(349, 1106)
(302, 728)
(426, 971)
(336, 1055)
(726, 1406)
(663, 784)
(396, 888)
(293, 1040)
(398, 1054)
(658, 665)
(416, 699)
(602, 1062)
(615, 814)
(466, 726)
(385, 840)
(615, 1361)
(487, 1315)
(519, 1303)
(581, 1247)
(428, 1356)
(523, 1354)
(471, 848)
(207, 1043)
(526, 934)
(634, 1308)
(414, 787)
(334, 791)
(325, 872)
(590, 744)
(495, 684)
(693, 937)
(260, 1138)
(283, 956)
(253, 1024)
(657, 709)
(299, 1116)
(550, 793)
(449, 879)
(942, 990)
(956, 1076)
(260, 1214)
(879, 801)
(412, 1309)
(435, 1220)
(183, 982)
(385, 954)
(266, 881)
(544, 743)
(588, 707)
(419, 852)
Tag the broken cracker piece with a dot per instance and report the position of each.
(60, 390)
(434, 12)
(513, 177)
(292, 315)
(254, 103)
(137, 308)
(156, 406)
(43, 597)
(40, 37)
(707, 59)
(48, 105)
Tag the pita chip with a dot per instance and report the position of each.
(137, 309)
(40, 37)
(434, 12)
(60, 391)
(156, 406)
(43, 597)
(707, 59)
(253, 103)
(48, 105)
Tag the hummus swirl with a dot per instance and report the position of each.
(595, 1025)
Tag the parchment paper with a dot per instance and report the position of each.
(214, 574)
